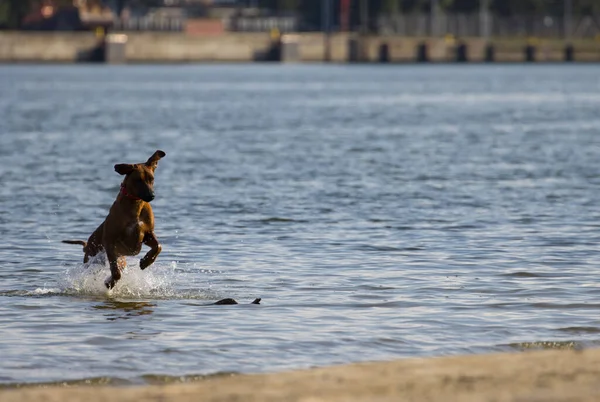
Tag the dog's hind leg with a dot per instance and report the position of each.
(117, 264)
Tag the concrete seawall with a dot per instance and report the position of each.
(311, 47)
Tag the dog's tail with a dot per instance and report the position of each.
(80, 242)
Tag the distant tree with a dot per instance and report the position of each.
(518, 7)
(63, 3)
(311, 13)
(588, 7)
(268, 4)
(463, 6)
(4, 15)
(501, 7)
(12, 12)
(288, 5)
(425, 5)
(391, 7)
(145, 3)
(120, 6)
(312, 9)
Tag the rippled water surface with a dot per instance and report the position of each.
(380, 212)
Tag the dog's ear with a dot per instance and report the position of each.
(124, 168)
(153, 161)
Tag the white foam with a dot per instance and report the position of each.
(45, 291)
(156, 281)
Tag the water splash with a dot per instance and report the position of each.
(158, 281)
(161, 281)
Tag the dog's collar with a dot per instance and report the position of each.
(126, 194)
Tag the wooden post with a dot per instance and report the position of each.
(568, 19)
(344, 15)
(364, 17)
(484, 19)
(326, 26)
(433, 18)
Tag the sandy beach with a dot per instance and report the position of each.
(530, 376)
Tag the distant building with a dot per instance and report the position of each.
(49, 15)
(196, 17)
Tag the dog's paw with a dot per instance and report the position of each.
(109, 283)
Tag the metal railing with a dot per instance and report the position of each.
(237, 24)
(473, 25)
(162, 24)
(262, 24)
(412, 25)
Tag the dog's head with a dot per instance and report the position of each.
(139, 177)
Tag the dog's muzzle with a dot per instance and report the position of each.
(148, 197)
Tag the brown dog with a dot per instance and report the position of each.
(129, 223)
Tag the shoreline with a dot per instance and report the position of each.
(541, 376)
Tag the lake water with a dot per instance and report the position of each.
(380, 212)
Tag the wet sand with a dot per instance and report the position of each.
(530, 376)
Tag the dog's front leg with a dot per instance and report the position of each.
(117, 264)
(151, 241)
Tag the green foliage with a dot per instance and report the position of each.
(62, 3)
(288, 5)
(502, 7)
(589, 7)
(390, 6)
(4, 13)
(12, 12)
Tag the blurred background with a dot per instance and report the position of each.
(498, 18)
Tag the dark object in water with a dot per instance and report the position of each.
(230, 301)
